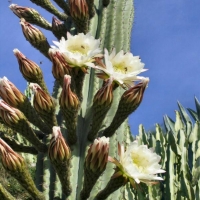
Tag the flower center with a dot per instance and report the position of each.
(120, 67)
(141, 162)
(79, 48)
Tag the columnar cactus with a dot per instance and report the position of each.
(79, 134)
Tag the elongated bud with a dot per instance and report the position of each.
(44, 104)
(101, 105)
(10, 115)
(60, 66)
(68, 99)
(97, 156)
(30, 15)
(58, 148)
(16, 166)
(58, 28)
(78, 8)
(29, 69)
(129, 102)
(35, 37)
(69, 104)
(9, 92)
(10, 159)
(95, 164)
(59, 154)
(104, 96)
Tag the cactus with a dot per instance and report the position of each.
(71, 134)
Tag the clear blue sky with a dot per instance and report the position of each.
(166, 35)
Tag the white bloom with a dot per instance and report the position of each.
(139, 163)
(79, 50)
(123, 68)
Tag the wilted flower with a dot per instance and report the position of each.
(58, 148)
(78, 8)
(29, 69)
(79, 50)
(9, 92)
(137, 164)
(123, 68)
(97, 156)
(10, 159)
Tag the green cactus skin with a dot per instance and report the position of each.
(179, 147)
(4, 194)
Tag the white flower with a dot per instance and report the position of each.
(123, 68)
(138, 163)
(79, 50)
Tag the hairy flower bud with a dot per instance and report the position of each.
(10, 159)
(9, 92)
(78, 8)
(58, 148)
(42, 101)
(97, 156)
(31, 15)
(9, 115)
(104, 95)
(60, 66)
(29, 69)
(30, 32)
(68, 99)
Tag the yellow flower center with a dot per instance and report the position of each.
(140, 161)
(79, 48)
(120, 67)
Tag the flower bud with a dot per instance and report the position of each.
(60, 66)
(10, 159)
(29, 69)
(42, 101)
(58, 148)
(30, 32)
(9, 93)
(97, 156)
(104, 95)
(78, 8)
(68, 99)
(10, 115)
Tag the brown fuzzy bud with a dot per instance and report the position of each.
(58, 148)
(29, 69)
(42, 101)
(68, 99)
(20, 11)
(30, 32)
(78, 8)
(60, 66)
(10, 115)
(9, 92)
(97, 156)
(104, 95)
(10, 159)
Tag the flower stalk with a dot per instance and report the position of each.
(69, 104)
(35, 37)
(129, 102)
(101, 105)
(15, 119)
(16, 166)
(60, 154)
(95, 164)
(30, 15)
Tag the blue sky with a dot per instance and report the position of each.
(166, 35)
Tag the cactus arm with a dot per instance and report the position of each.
(4, 194)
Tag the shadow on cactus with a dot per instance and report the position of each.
(71, 134)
